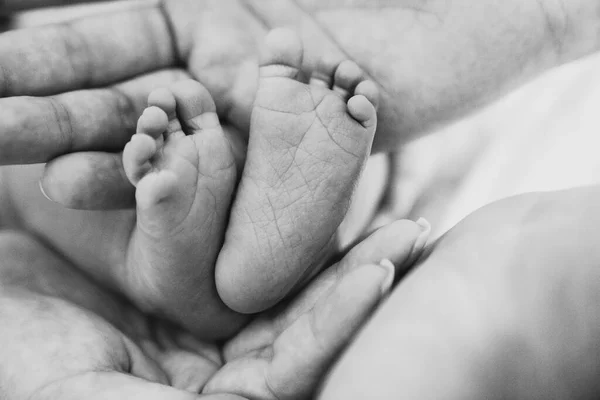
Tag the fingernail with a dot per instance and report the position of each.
(390, 271)
(44, 192)
(425, 231)
(421, 241)
(424, 224)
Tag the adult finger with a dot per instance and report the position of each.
(296, 353)
(34, 130)
(114, 385)
(400, 242)
(84, 53)
(305, 350)
(7, 6)
(88, 181)
(97, 180)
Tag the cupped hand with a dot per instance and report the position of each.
(92, 75)
(66, 338)
(504, 306)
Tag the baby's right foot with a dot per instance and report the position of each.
(308, 145)
(184, 172)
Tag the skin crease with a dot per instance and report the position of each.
(77, 340)
(579, 39)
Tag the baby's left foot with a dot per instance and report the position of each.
(184, 171)
(308, 145)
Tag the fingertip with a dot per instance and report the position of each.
(421, 241)
(88, 181)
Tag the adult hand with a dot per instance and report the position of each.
(10, 6)
(66, 338)
(98, 242)
(96, 72)
(505, 306)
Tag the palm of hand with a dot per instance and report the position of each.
(82, 338)
(89, 342)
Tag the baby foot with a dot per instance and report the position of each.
(184, 172)
(308, 145)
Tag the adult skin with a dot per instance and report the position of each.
(108, 63)
(434, 62)
(536, 54)
(64, 337)
(505, 306)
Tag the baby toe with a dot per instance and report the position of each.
(136, 156)
(282, 54)
(362, 110)
(347, 76)
(153, 122)
(163, 99)
(323, 73)
(368, 89)
(193, 100)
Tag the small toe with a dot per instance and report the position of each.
(154, 188)
(193, 100)
(347, 77)
(362, 110)
(323, 73)
(368, 89)
(137, 155)
(163, 99)
(153, 122)
(282, 54)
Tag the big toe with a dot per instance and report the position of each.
(282, 54)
